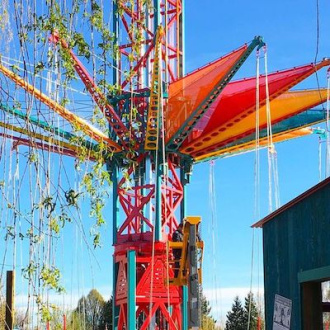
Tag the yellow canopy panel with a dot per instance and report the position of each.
(250, 146)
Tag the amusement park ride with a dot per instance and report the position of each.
(162, 122)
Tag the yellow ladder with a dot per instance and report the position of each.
(155, 102)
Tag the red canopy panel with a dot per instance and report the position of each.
(284, 106)
(237, 102)
(187, 93)
(240, 96)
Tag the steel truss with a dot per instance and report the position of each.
(157, 304)
(149, 204)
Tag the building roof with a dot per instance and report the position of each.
(293, 202)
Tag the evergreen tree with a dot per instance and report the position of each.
(250, 311)
(235, 318)
(243, 318)
(208, 322)
(205, 306)
(106, 316)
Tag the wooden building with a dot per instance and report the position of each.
(296, 247)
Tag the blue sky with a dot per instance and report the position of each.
(214, 28)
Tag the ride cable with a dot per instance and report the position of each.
(256, 178)
(272, 156)
(214, 230)
(327, 170)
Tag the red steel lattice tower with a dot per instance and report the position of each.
(148, 198)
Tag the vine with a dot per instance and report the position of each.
(52, 203)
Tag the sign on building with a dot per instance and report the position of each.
(282, 313)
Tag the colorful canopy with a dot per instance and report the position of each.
(296, 126)
(232, 116)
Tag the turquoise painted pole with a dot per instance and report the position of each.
(115, 215)
(158, 217)
(114, 173)
(159, 169)
(115, 208)
(131, 294)
(157, 15)
(44, 125)
(183, 209)
(142, 171)
(115, 309)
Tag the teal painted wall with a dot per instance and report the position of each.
(296, 240)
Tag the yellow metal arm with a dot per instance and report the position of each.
(190, 267)
(74, 120)
(49, 140)
(183, 263)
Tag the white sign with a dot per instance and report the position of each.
(282, 313)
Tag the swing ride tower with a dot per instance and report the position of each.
(161, 123)
(150, 54)
(150, 57)
(168, 113)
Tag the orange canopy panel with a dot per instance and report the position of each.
(282, 107)
(237, 102)
(250, 146)
(187, 93)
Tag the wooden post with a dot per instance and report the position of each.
(10, 292)
(64, 322)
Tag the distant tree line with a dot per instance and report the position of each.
(92, 313)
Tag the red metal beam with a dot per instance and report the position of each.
(43, 146)
(114, 120)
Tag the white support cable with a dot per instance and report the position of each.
(153, 241)
(165, 175)
(46, 79)
(327, 158)
(256, 177)
(257, 183)
(269, 137)
(156, 206)
(214, 229)
(272, 155)
(320, 158)
(276, 182)
(257, 145)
